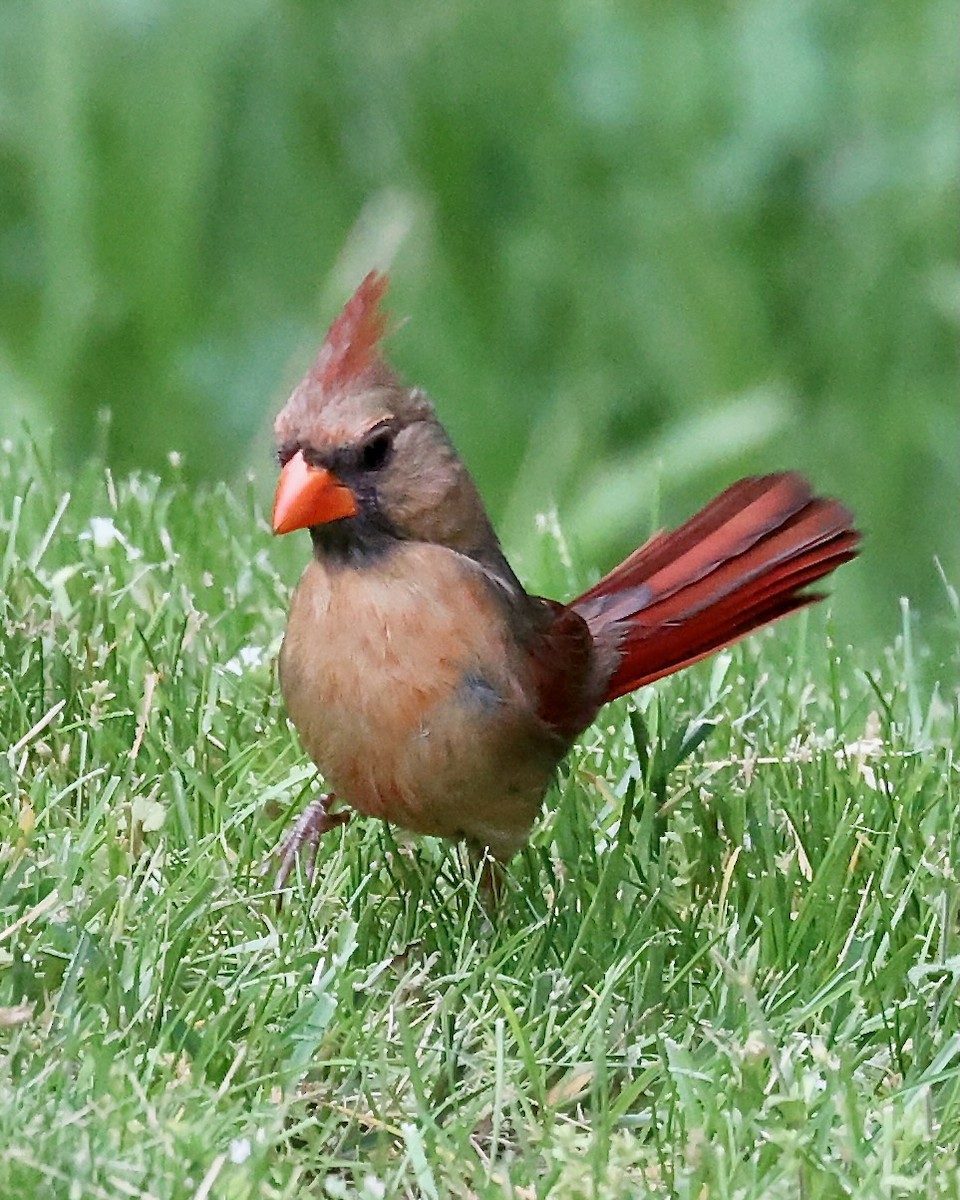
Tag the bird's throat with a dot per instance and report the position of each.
(353, 542)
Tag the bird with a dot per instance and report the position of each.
(428, 686)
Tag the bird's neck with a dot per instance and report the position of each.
(352, 542)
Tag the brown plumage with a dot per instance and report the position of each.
(429, 688)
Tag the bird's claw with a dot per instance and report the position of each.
(492, 873)
(315, 820)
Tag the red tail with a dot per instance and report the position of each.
(740, 563)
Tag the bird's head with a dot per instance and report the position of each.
(364, 461)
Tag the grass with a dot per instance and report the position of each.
(728, 964)
(631, 239)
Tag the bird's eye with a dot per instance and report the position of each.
(285, 453)
(375, 453)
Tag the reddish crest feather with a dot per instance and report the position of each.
(350, 349)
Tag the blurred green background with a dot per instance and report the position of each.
(644, 248)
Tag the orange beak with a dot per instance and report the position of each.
(309, 496)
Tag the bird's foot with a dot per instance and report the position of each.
(492, 874)
(315, 820)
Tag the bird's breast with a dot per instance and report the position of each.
(412, 695)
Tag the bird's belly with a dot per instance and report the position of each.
(409, 695)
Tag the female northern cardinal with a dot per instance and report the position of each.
(429, 688)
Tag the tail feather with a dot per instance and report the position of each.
(740, 563)
(770, 499)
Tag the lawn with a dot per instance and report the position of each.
(640, 249)
(728, 964)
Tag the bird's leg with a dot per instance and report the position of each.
(315, 820)
(492, 873)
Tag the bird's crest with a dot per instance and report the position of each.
(350, 350)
